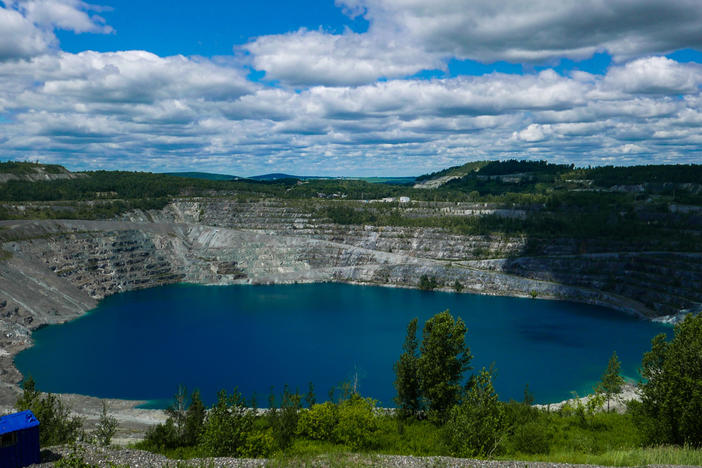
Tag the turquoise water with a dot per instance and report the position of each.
(143, 344)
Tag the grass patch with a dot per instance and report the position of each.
(666, 455)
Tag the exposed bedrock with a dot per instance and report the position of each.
(53, 271)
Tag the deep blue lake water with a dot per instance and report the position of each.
(143, 344)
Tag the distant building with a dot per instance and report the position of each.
(19, 440)
(404, 199)
(388, 200)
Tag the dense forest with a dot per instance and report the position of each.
(636, 203)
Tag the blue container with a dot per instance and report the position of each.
(19, 440)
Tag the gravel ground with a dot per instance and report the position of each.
(114, 457)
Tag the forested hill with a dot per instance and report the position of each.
(32, 172)
(635, 232)
(608, 201)
(524, 174)
(475, 180)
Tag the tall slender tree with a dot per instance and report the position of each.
(408, 397)
(194, 419)
(444, 359)
(611, 383)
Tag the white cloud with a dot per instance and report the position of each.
(140, 111)
(655, 75)
(26, 26)
(314, 57)
(72, 15)
(141, 77)
(538, 30)
(534, 132)
(19, 38)
(407, 36)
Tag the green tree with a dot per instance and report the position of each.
(184, 425)
(105, 428)
(408, 397)
(228, 426)
(477, 426)
(444, 359)
(284, 420)
(427, 283)
(528, 396)
(57, 425)
(611, 383)
(671, 395)
(194, 420)
(176, 410)
(357, 423)
(319, 421)
(310, 398)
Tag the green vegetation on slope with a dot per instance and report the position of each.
(647, 207)
(25, 168)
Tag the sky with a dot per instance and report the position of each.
(348, 87)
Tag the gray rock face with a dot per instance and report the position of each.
(53, 271)
(39, 173)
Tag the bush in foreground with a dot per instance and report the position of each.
(57, 426)
(671, 407)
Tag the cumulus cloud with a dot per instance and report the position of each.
(314, 57)
(19, 37)
(135, 109)
(514, 30)
(71, 15)
(407, 36)
(141, 77)
(26, 26)
(656, 75)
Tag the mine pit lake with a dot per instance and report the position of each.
(141, 345)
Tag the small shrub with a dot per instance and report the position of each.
(228, 425)
(427, 283)
(357, 423)
(75, 458)
(162, 437)
(106, 427)
(258, 444)
(531, 438)
(284, 420)
(318, 422)
(476, 426)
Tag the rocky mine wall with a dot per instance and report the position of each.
(53, 271)
(661, 283)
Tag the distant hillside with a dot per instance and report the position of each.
(511, 171)
(389, 180)
(33, 172)
(439, 178)
(278, 176)
(203, 175)
(371, 180)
